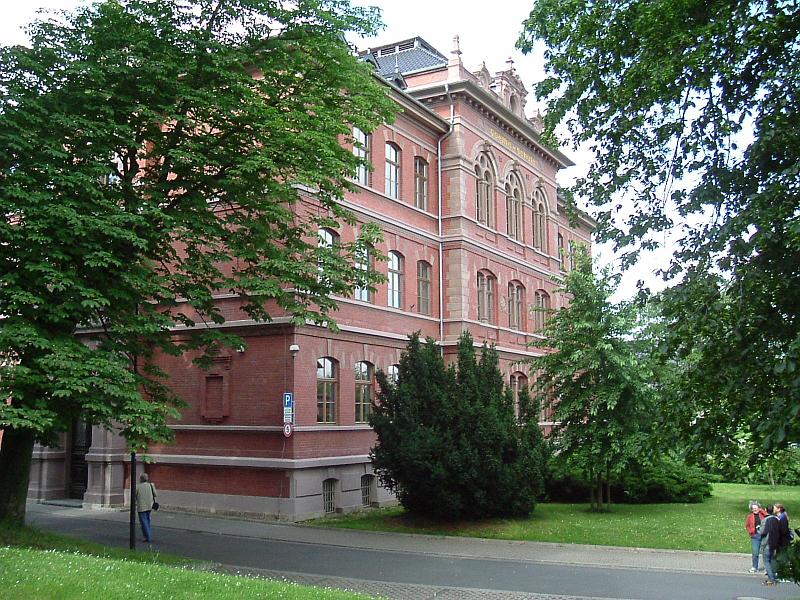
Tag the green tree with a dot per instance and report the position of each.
(693, 111)
(156, 155)
(449, 443)
(596, 379)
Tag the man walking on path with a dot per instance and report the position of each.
(145, 497)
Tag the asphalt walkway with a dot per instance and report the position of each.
(170, 524)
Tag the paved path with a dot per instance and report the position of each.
(412, 567)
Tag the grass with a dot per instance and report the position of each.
(35, 565)
(29, 574)
(716, 525)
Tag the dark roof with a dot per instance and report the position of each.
(408, 56)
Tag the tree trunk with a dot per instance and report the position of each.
(15, 466)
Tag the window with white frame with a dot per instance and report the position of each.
(395, 277)
(393, 373)
(486, 291)
(363, 263)
(424, 270)
(392, 183)
(364, 375)
(361, 148)
(327, 383)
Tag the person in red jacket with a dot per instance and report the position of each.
(753, 526)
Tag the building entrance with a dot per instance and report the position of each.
(78, 470)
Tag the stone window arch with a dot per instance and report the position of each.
(514, 207)
(484, 193)
(487, 290)
(540, 220)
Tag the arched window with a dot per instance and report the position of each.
(392, 183)
(486, 291)
(328, 238)
(361, 149)
(514, 208)
(516, 302)
(539, 221)
(363, 262)
(395, 277)
(484, 209)
(327, 384)
(364, 376)
(517, 382)
(542, 306)
(424, 287)
(420, 183)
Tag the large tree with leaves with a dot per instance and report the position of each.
(449, 443)
(156, 155)
(693, 111)
(596, 379)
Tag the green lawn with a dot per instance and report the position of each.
(35, 565)
(715, 525)
(28, 574)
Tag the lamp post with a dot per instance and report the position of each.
(133, 502)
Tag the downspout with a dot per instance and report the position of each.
(439, 216)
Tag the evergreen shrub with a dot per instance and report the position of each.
(449, 443)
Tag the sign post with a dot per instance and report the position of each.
(288, 413)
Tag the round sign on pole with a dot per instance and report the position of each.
(287, 429)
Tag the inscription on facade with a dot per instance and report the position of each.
(515, 148)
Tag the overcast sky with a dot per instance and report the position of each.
(487, 35)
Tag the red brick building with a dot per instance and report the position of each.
(474, 229)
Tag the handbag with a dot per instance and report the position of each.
(155, 504)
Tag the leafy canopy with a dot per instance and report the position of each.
(692, 109)
(166, 164)
(594, 376)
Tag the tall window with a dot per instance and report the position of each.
(367, 482)
(393, 373)
(392, 185)
(326, 390)
(517, 381)
(364, 374)
(329, 495)
(361, 148)
(539, 221)
(363, 263)
(562, 251)
(516, 302)
(420, 183)
(327, 239)
(395, 273)
(424, 288)
(514, 208)
(486, 290)
(485, 192)
(542, 304)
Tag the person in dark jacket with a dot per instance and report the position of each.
(777, 532)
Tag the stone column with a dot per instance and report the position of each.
(106, 462)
